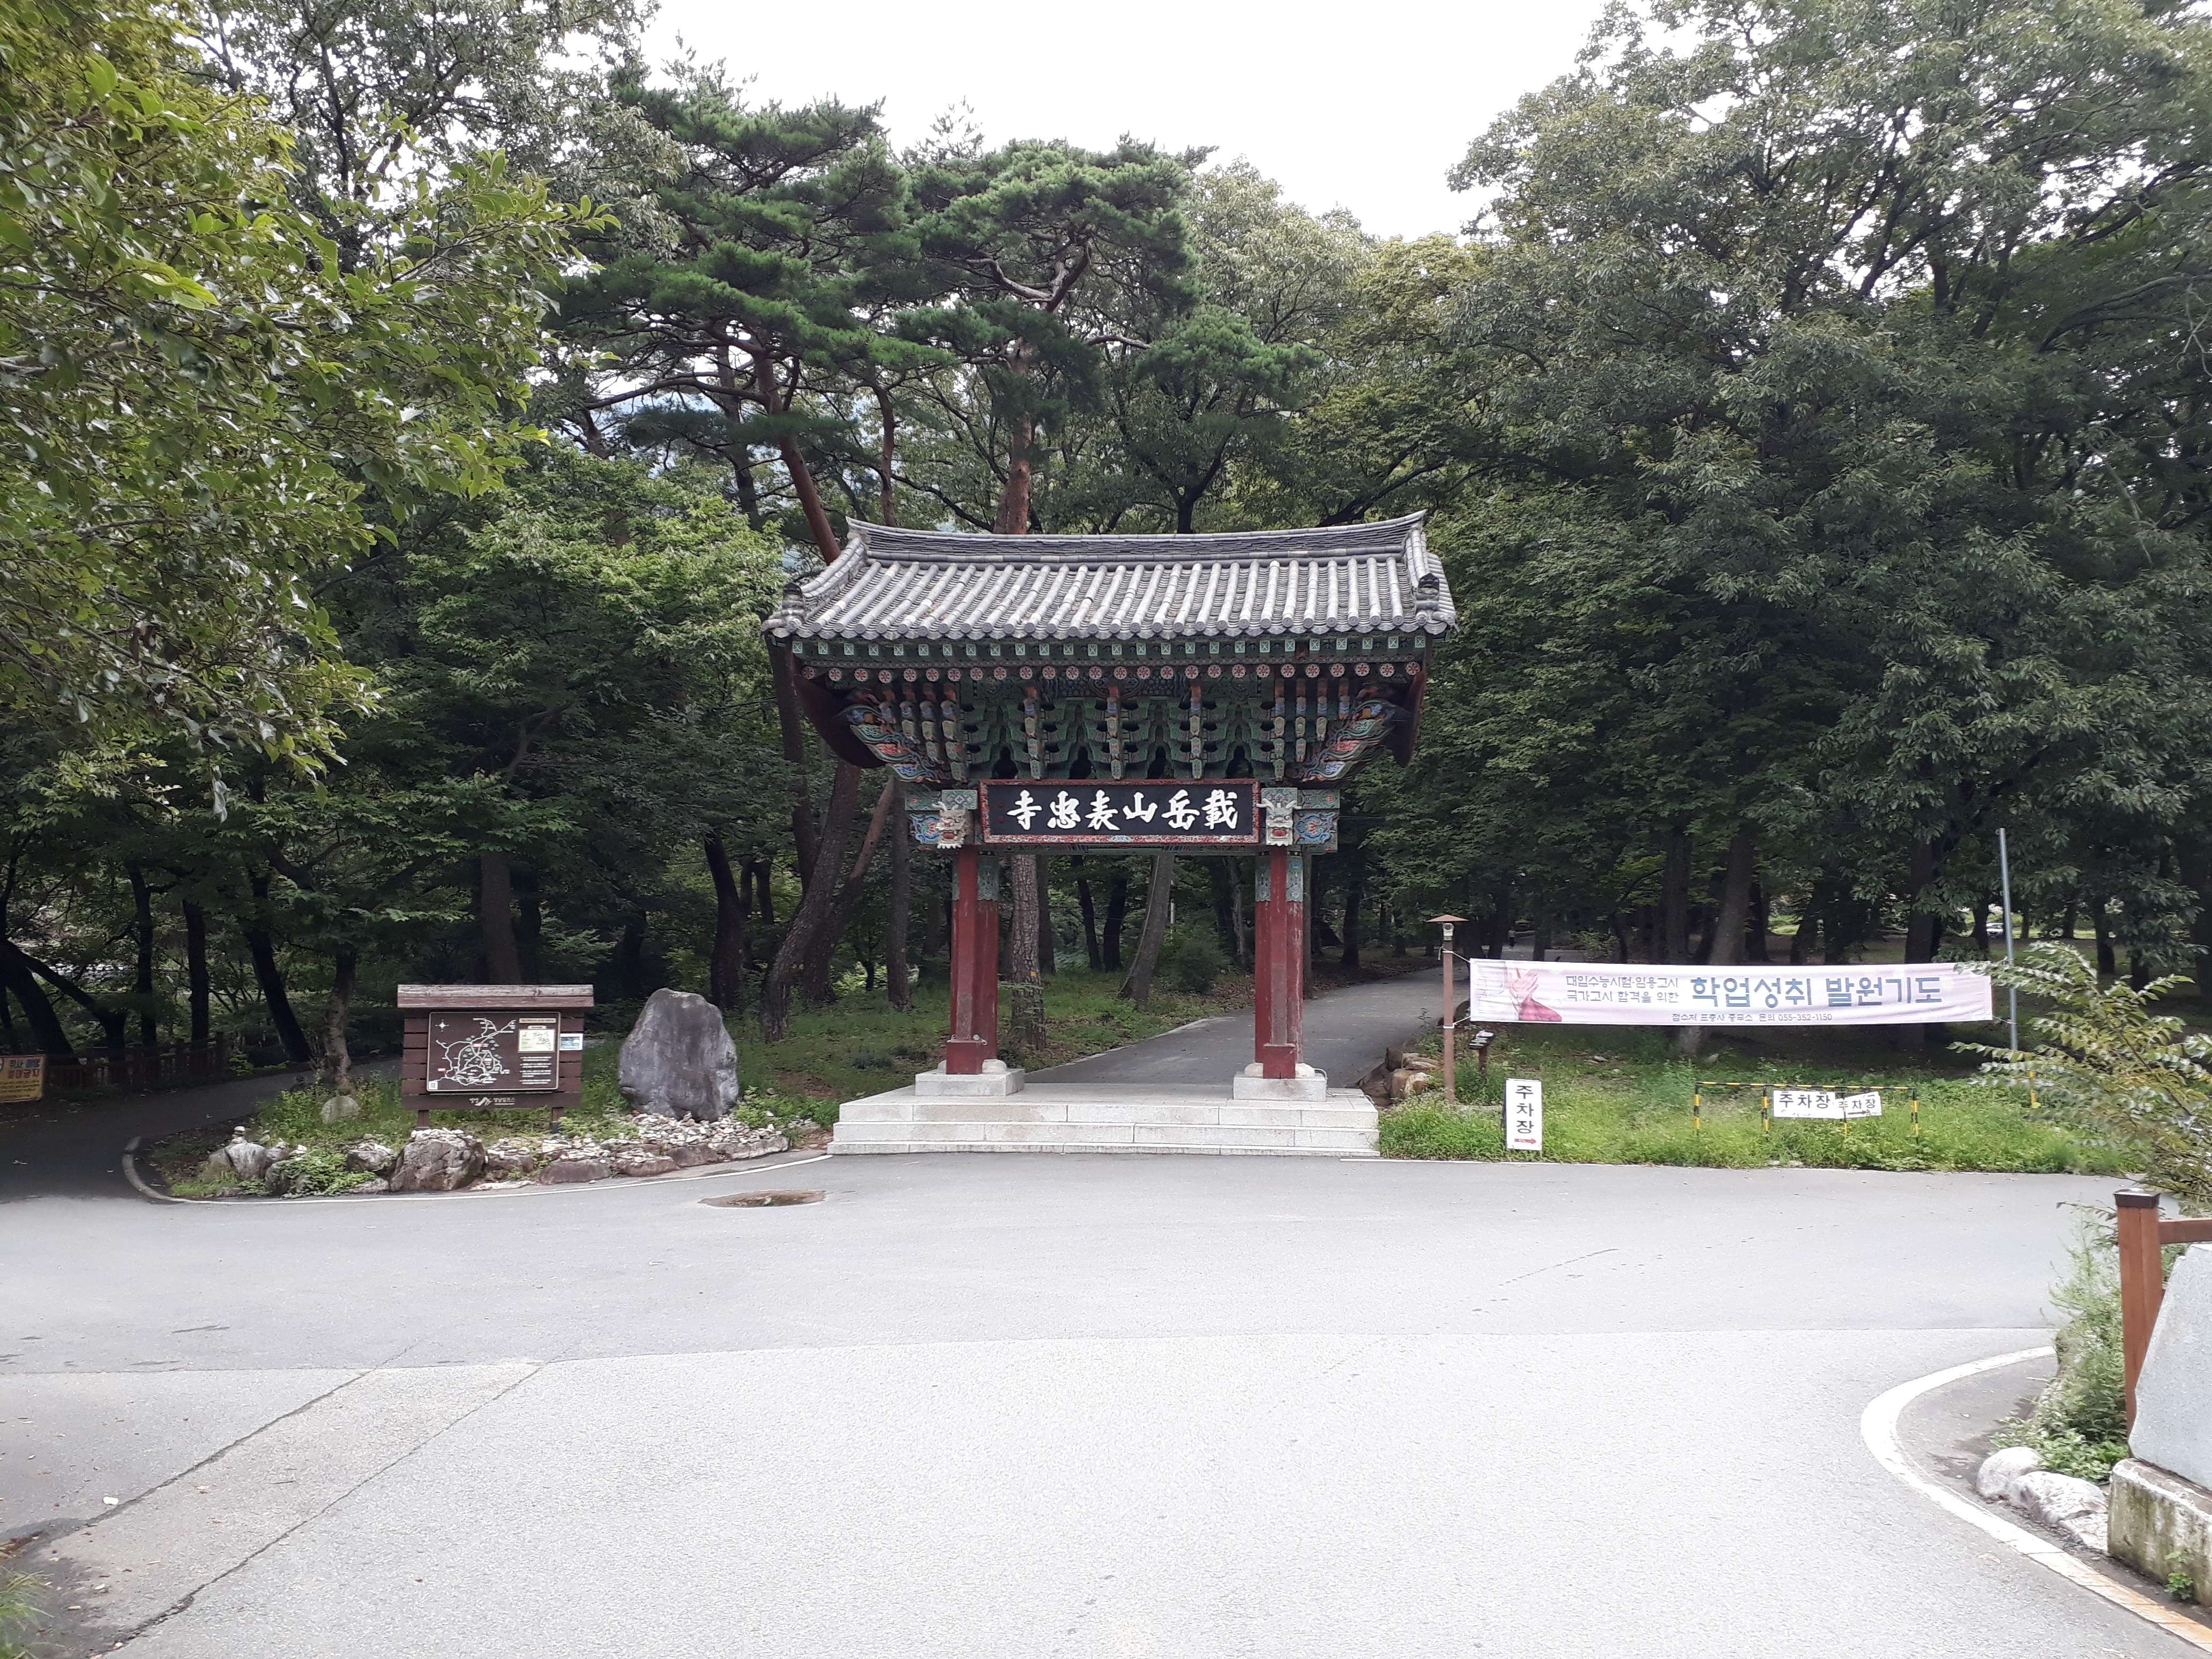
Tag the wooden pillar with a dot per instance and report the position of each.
(2143, 1284)
(975, 1036)
(1279, 965)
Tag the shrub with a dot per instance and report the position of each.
(2116, 1073)
(1191, 960)
(2079, 1422)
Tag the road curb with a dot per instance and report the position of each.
(130, 1174)
(1878, 1428)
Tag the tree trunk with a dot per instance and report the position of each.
(810, 499)
(1353, 896)
(338, 1053)
(1924, 925)
(898, 980)
(2100, 921)
(1732, 920)
(270, 978)
(814, 988)
(726, 965)
(1674, 898)
(629, 959)
(887, 452)
(764, 893)
(495, 919)
(1158, 900)
(1048, 943)
(1089, 923)
(1117, 917)
(529, 924)
(1025, 1027)
(813, 908)
(1807, 936)
(1539, 930)
(45, 1025)
(195, 976)
(141, 982)
(790, 727)
(2197, 876)
(1014, 500)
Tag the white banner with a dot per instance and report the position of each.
(1524, 1115)
(1641, 993)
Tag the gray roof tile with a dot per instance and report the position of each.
(933, 584)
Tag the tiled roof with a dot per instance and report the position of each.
(932, 585)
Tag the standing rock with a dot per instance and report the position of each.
(678, 1060)
(338, 1109)
(242, 1160)
(562, 1170)
(438, 1161)
(2073, 1508)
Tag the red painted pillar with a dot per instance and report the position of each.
(1279, 963)
(975, 1036)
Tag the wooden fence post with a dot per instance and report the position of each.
(2143, 1283)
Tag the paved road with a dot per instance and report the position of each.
(1345, 1034)
(1011, 1407)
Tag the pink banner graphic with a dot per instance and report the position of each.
(1638, 993)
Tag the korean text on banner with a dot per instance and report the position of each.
(1639, 993)
(1524, 1115)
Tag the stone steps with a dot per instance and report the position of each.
(1206, 1122)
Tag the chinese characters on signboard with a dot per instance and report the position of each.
(1524, 1115)
(1202, 811)
(481, 1053)
(1634, 993)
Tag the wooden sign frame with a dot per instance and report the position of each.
(423, 1003)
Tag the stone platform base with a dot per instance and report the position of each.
(1043, 1119)
(997, 1078)
(2160, 1525)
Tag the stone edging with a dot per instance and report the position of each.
(627, 1183)
(1878, 1428)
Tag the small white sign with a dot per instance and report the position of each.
(572, 1043)
(1524, 1115)
(1804, 1103)
(1864, 1105)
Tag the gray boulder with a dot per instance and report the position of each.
(438, 1161)
(2074, 1509)
(562, 1170)
(370, 1158)
(2001, 1471)
(240, 1160)
(2173, 1401)
(678, 1060)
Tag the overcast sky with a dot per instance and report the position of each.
(1364, 104)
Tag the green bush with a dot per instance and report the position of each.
(1191, 960)
(18, 1613)
(318, 1171)
(2079, 1422)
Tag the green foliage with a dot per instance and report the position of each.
(197, 394)
(2079, 1422)
(2181, 1587)
(2114, 1072)
(1630, 1103)
(1192, 959)
(19, 1614)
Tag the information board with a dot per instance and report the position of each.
(22, 1076)
(502, 1053)
(1824, 1103)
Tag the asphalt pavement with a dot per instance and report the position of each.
(1006, 1407)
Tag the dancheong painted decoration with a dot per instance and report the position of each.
(1202, 695)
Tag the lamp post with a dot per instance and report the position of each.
(1451, 1002)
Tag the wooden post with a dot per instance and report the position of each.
(1279, 932)
(975, 1035)
(1451, 1006)
(2143, 1283)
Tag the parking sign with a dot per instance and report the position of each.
(1524, 1115)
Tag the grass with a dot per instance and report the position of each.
(859, 1045)
(18, 1613)
(1616, 1095)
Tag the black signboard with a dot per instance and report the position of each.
(502, 1053)
(1141, 812)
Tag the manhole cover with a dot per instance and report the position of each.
(765, 1201)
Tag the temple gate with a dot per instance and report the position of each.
(1204, 695)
